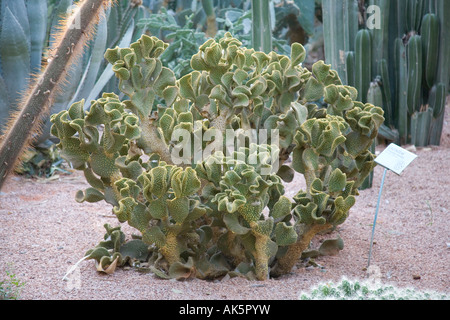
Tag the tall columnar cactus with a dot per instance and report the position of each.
(408, 56)
(363, 62)
(207, 205)
(211, 23)
(339, 30)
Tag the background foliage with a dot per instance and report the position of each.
(27, 30)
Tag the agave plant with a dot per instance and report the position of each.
(28, 30)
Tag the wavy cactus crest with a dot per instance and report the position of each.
(225, 212)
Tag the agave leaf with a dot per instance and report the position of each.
(4, 102)
(108, 72)
(37, 16)
(15, 55)
(94, 64)
(59, 13)
(19, 10)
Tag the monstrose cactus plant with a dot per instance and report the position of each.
(198, 165)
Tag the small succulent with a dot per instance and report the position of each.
(367, 290)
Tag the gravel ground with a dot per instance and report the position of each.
(44, 231)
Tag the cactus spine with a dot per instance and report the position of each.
(35, 104)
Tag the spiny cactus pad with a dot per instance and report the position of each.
(205, 204)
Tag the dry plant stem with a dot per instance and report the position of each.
(286, 263)
(211, 29)
(36, 102)
(153, 141)
(170, 249)
(221, 121)
(261, 258)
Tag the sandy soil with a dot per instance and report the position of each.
(44, 231)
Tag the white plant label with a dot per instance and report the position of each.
(395, 158)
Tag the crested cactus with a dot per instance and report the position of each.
(195, 175)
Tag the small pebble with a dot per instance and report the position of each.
(257, 285)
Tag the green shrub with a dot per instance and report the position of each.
(10, 286)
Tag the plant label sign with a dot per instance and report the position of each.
(395, 158)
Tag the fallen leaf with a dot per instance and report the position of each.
(112, 266)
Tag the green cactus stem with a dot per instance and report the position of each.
(443, 76)
(380, 36)
(414, 58)
(340, 29)
(420, 127)
(363, 63)
(211, 23)
(401, 69)
(430, 43)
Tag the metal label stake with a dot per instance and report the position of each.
(395, 159)
(376, 215)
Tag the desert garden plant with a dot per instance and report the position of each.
(30, 37)
(367, 290)
(399, 50)
(206, 205)
(11, 285)
(68, 47)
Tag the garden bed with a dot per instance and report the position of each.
(44, 231)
